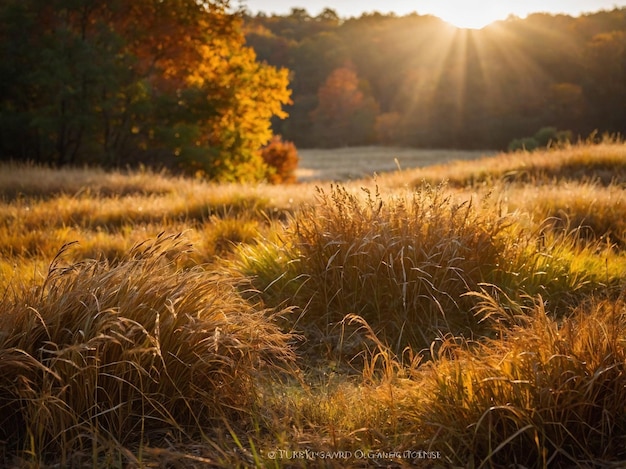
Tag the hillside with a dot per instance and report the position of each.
(416, 81)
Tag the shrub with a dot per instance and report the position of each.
(544, 137)
(551, 135)
(525, 144)
(282, 159)
(135, 353)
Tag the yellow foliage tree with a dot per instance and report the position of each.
(116, 83)
(249, 95)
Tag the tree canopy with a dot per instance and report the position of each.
(112, 82)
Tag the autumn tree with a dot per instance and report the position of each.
(111, 82)
(346, 113)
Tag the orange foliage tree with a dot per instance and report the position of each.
(164, 81)
(345, 114)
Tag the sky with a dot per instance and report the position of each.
(461, 13)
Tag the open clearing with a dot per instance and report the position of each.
(340, 164)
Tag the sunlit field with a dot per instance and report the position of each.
(463, 312)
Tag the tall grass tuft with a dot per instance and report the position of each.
(402, 263)
(547, 393)
(140, 354)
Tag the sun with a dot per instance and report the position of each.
(466, 15)
(469, 21)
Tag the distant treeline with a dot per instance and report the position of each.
(415, 80)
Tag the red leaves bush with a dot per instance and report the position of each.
(282, 159)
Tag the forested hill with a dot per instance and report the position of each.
(415, 80)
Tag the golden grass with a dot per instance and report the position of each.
(599, 211)
(603, 163)
(402, 263)
(135, 354)
(478, 323)
(188, 204)
(109, 212)
(546, 394)
(18, 180)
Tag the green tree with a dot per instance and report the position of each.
(56, 60)
(606, 83)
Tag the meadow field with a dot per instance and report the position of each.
(466, 313)
(350, 163)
